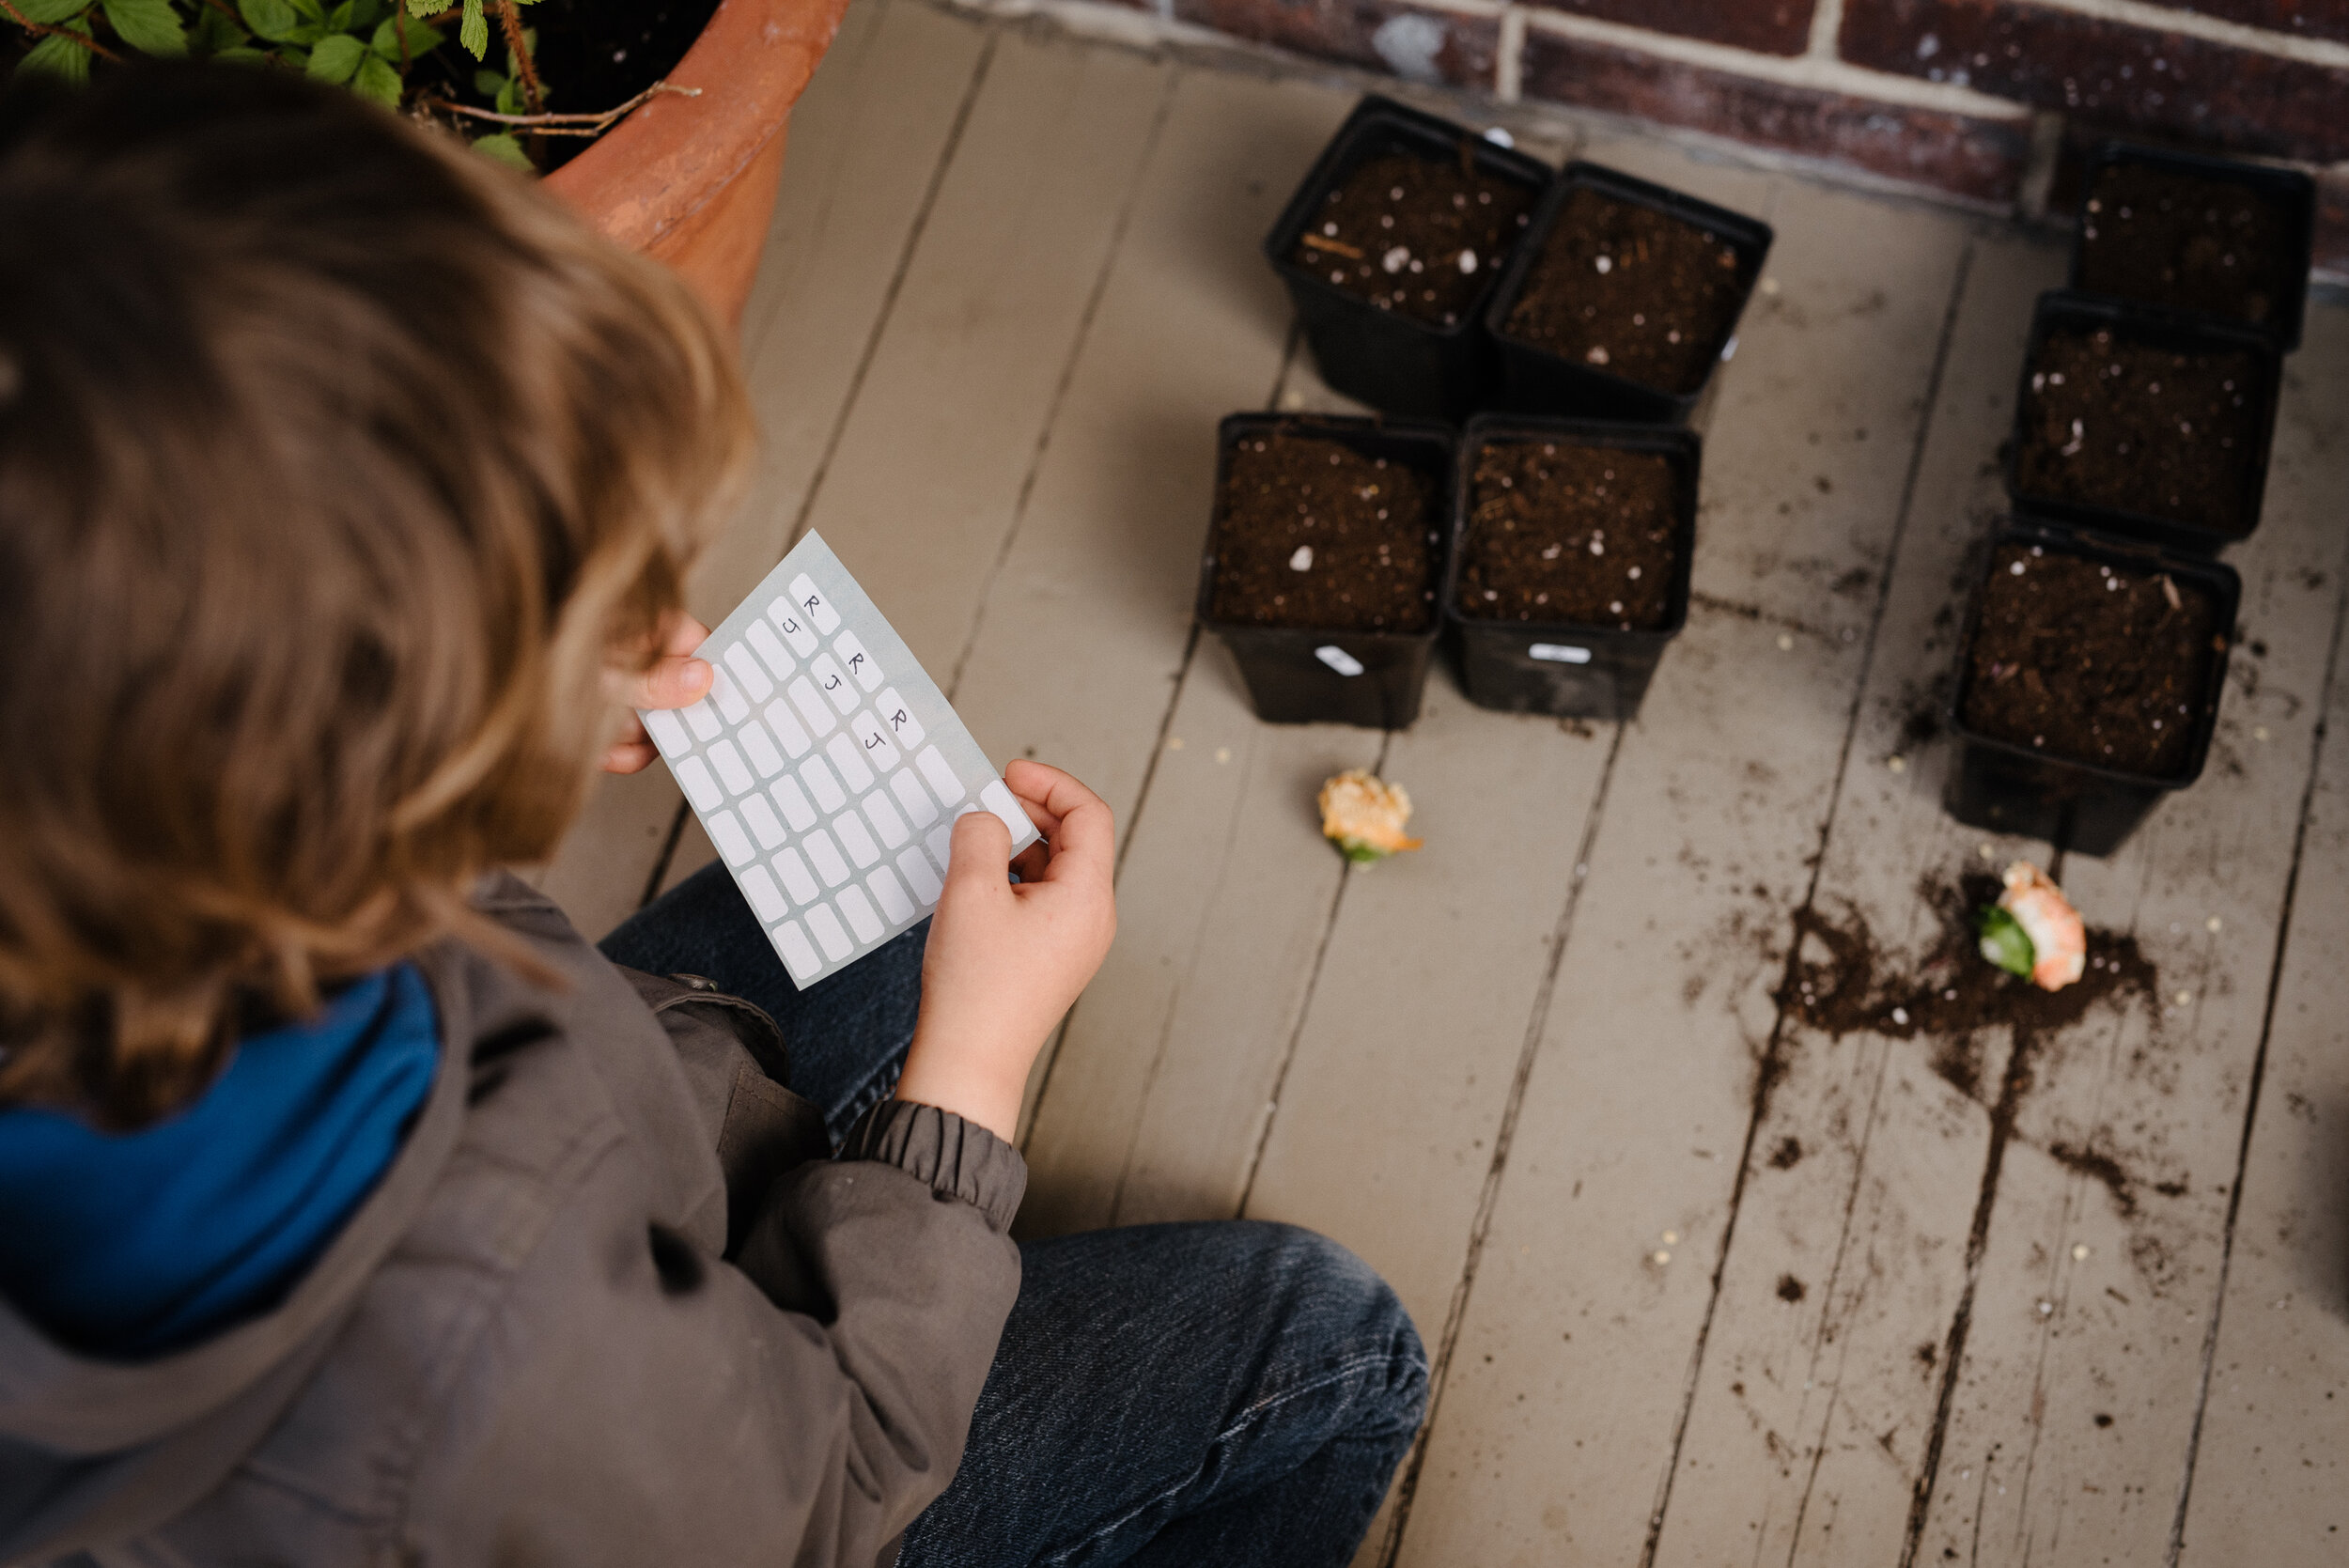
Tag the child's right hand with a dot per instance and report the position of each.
(1005, 962)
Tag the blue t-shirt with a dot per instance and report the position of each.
(128, 1245)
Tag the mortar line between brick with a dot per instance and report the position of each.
(1480, 1223)
(1771, 1048)
(896, 284)
(2207, 29)
(2259, 1077)
(1827, 25)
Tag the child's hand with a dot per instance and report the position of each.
(1004, 962)
(676, 679)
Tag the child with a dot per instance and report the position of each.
(352, 1208)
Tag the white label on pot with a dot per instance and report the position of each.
(904, 741)
(1560, 653)
(1338, 658)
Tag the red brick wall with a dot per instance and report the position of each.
(1946, 95)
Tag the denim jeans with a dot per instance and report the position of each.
(1229, 1394)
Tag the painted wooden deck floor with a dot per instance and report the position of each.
(1013, 284)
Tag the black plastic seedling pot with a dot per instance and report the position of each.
(1393, 361)
(2292, 194)
(1303, 675)
(2008, 788)
(2062, 311)
(1561, 668)
(1538, 382)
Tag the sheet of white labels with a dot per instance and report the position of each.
(827, 766)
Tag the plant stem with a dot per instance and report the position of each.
(554, 125)
(42, 29)
(524, 67)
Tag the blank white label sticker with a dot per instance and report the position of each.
(885, 819)
(890, 895)
(812, 707)
(821, 784)
(910, 795)
(760, 750)
(825, 855)
(862, 920)
(764, 827)
(940, 775)
(730, 767)
(746, 670)
(1560, 653)
(796, 881)
(859, 843)
(786, 727)
(703, 719)
(703, 790)
(1338, 658)
(845, 757)
(667, 734)
(792, 947)
(766, 898)
(762, 637)
(732, 842)
(916, 866)
(997, 797)
(826, 925)
(793, 801)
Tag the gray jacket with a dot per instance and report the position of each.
(611, 1304)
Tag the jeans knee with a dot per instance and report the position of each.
(1340, 1306)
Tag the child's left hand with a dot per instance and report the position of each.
(676, 679)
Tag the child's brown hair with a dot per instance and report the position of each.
(335, 464)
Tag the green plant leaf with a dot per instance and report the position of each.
(149, 26)
(336, 56)
(428, 7)
(473, 32)
(378, 79)
(242, 55)
(486, 82)
(2005, 943)
(420, 38)
(365, 14)
(274, 20)
(510, 99)
(50, 13)
(502, 148)
(340, 18)
(59, 56)
(309, 11)
(212, 32)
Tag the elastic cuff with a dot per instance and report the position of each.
(955, 1157)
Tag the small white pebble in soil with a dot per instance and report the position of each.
(1598, 354)
(1900, 1015)
(2046, 1309)
(2017, 568)
(1604, 264)
(1396, 193)
(1769, 286)
(1633, 574)
(2079, 1251)
(1491, 594)
(1223, 754)
(1551, 553)
(1988, 852)
(1785, 643)
(1673, 336)
(2054, 378)
(1329, 229)
(2259, 732)
(1661, 1256)
(1599, 547)
(1395, 259)
(2184, 996)
(1614, 607)
(1898, 764)
(1303, 559)
(1468, 261)
(1173, 742)
(2214, 926)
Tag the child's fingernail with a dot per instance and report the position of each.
(698, 672)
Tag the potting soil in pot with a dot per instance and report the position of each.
(597, 55)
(1312, 534)
(2111, 423)
(2171, 238)
(1631, 290)
(1577, 535)
(2091, 662)
(1422, 236)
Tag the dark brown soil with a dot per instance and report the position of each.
(1577, 535)
(2111, 423)
(2089, 662)
(2171, 238)
(1632, 291)
(1311, 533)
(1954, 994)
(1423, 236)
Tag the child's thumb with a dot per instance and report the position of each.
(979, 852)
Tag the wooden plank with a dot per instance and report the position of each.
(1084, 627)
(2081, 1386)
(867, 140)
(1641, 1097)
(921, 494)
(1880, 1158)
(2267, 1485)
(1163, 1081)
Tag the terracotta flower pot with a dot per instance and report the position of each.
(691, 180)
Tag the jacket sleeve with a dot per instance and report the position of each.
(636, 1399)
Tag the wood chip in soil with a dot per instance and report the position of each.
(1422, 236)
